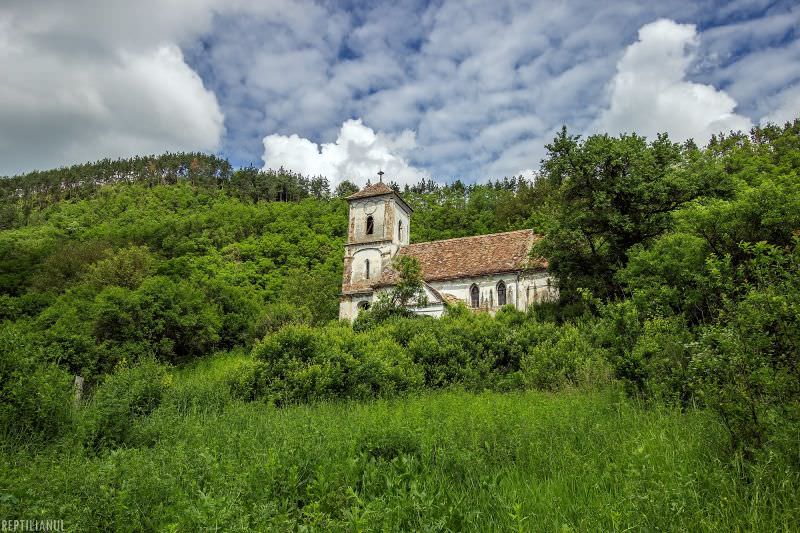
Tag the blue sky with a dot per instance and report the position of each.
(446, 89)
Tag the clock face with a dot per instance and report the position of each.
(370, 208)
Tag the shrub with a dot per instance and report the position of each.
(567, 358)
(127, 267)
(746, 366)
(210, 384)
(299, 363)
(35, 397)
(277, 315)
(238, 308)
(125, 396)
(663, 353)
(67, 263)
(174, 318)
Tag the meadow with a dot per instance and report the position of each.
(434, 461)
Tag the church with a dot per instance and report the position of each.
(485, 272)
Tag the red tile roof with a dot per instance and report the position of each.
(378, 189)
(463, 258)
(473, 256)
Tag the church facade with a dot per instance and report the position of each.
(485, 272)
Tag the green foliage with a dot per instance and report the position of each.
(444, 461)
(299, 363)
(409, 288)
(746, 365)
(173, 320)
(279, 314)
(612, 194)
(407, 292)
(699, 293)
(67, 263)
(564, 357)
(464, 349)
(124, 398)
(173, 272)
(127, 268)
(35, 397)
(345, 189)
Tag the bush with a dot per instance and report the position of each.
(173, 318)
(210, 384)
(35, 397)
(277, 315)
(125, 396)
(663, 353)
(564, 357)
(509, 351)
(127, 267)
(299, 363)
(746, 365)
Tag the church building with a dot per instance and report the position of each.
(485, 272)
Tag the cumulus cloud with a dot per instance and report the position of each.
(79, 87)
(786, 106)
(650, 92)
(483, 85)
(357, 155)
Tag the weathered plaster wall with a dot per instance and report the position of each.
(359, 266)
(348, 305)
(521, 290)
(359, 211)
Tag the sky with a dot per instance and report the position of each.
(443, 90)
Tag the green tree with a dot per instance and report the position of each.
(407, 291)
(612, 194)
(345, 189)
(410, 286)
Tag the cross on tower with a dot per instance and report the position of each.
(380, 175)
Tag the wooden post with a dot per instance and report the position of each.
(78, 389)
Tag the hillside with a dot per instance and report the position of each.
(198, 303)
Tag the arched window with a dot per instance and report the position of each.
(474, 296)
(501, 293)
(400, 230)
(366, 268)
(363, 306)
(370, 225)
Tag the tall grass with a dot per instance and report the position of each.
(438, 461)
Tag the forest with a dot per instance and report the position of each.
(197, 304)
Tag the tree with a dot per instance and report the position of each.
(409, 290)
(345, 188)
(611, 194)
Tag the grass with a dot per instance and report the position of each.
(440, 461)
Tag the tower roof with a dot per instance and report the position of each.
(378, 189)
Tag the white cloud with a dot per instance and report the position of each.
(357, 155)
(786, 106)
(85, 81)
(650, 92)
(483, 84)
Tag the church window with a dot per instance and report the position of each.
(363, 306)
(370, 225)
(400, 230)
(501, 293)
(474, 296)
(366, 268)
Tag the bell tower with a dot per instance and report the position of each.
(379, 225)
